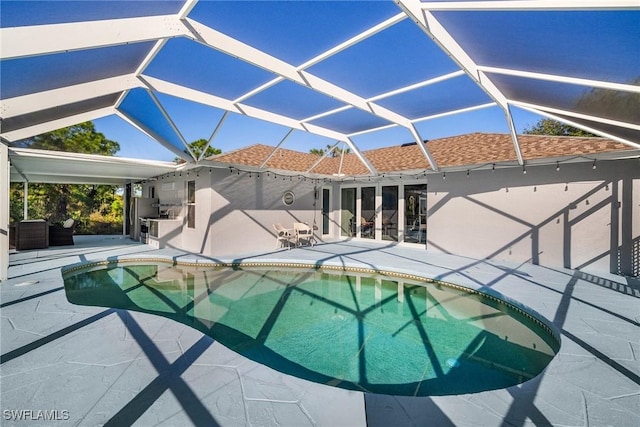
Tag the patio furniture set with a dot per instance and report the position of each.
(300, 235)
(39, 234)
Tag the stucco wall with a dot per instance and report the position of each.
(576, 217)
(245, 209)
(235, 213)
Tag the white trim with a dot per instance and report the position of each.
(251, 55)
(423, 148)
(27, 132)
(213, 135)
(361, 156)
(327, 113)
(26, 104)
(549, 112)
(19, 42)
(276, 148)
(354, 40)
(417, 85)
(259, 89)
(454, 112)
(432, 27)
(66, 167)
(4, 212)
(363, 132)
(531, 5)
(537, 108)
(562, 79)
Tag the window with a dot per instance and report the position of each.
(368, 212)
(348, 212)
(415, 200)
(325, 210)
(390, 213)
(191, 204)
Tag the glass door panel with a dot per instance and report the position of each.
(326, 196)
(390, 213)
(415, 201)
(368, 212)
(348, 212)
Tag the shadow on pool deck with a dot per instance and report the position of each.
(140, 367)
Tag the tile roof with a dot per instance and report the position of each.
(456, 151)
(256, 154)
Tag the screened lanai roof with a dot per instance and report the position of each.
(342, 70)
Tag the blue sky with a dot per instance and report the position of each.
(558, 42)
(241, 131)
(296, 32)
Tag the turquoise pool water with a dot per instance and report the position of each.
(354, 330)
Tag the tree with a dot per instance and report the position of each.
(553, 127)
(80, 138)
(335, 153)
(196, 147)
(87, 204)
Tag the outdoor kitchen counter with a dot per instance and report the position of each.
(163, 231)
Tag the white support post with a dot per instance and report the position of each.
(213, 135)
(4, 212)
(25, 201)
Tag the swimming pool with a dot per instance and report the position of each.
(351, 328)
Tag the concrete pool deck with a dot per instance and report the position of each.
(92, 366)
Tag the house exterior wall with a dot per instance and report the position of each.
(235, 213)
(576, 217)
(245, 209)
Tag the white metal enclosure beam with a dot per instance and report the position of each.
(213, 135)
(29, 103)
(362, 158)
(431, 26)
(531, 5)
(621, 87)
(251, 55)
(276, 148)
(560, 115)
(52, 125)
(18, 42)
(225, 104)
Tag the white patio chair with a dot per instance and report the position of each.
(284, 235)
(304, 234)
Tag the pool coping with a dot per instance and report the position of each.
(593, 380)
(398, 273)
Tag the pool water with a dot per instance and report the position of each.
(355, 330)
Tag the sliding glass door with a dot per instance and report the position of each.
(390, 213)
(368, 212)
(415, 213)
(348, 212)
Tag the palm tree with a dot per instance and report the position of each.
(197, 146)
(332, 153)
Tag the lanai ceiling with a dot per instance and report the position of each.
(336, 69)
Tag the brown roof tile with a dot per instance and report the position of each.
(483, 148)
(351, 165)
(256, 154)
(461, 150)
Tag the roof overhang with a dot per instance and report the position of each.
(42, 166)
